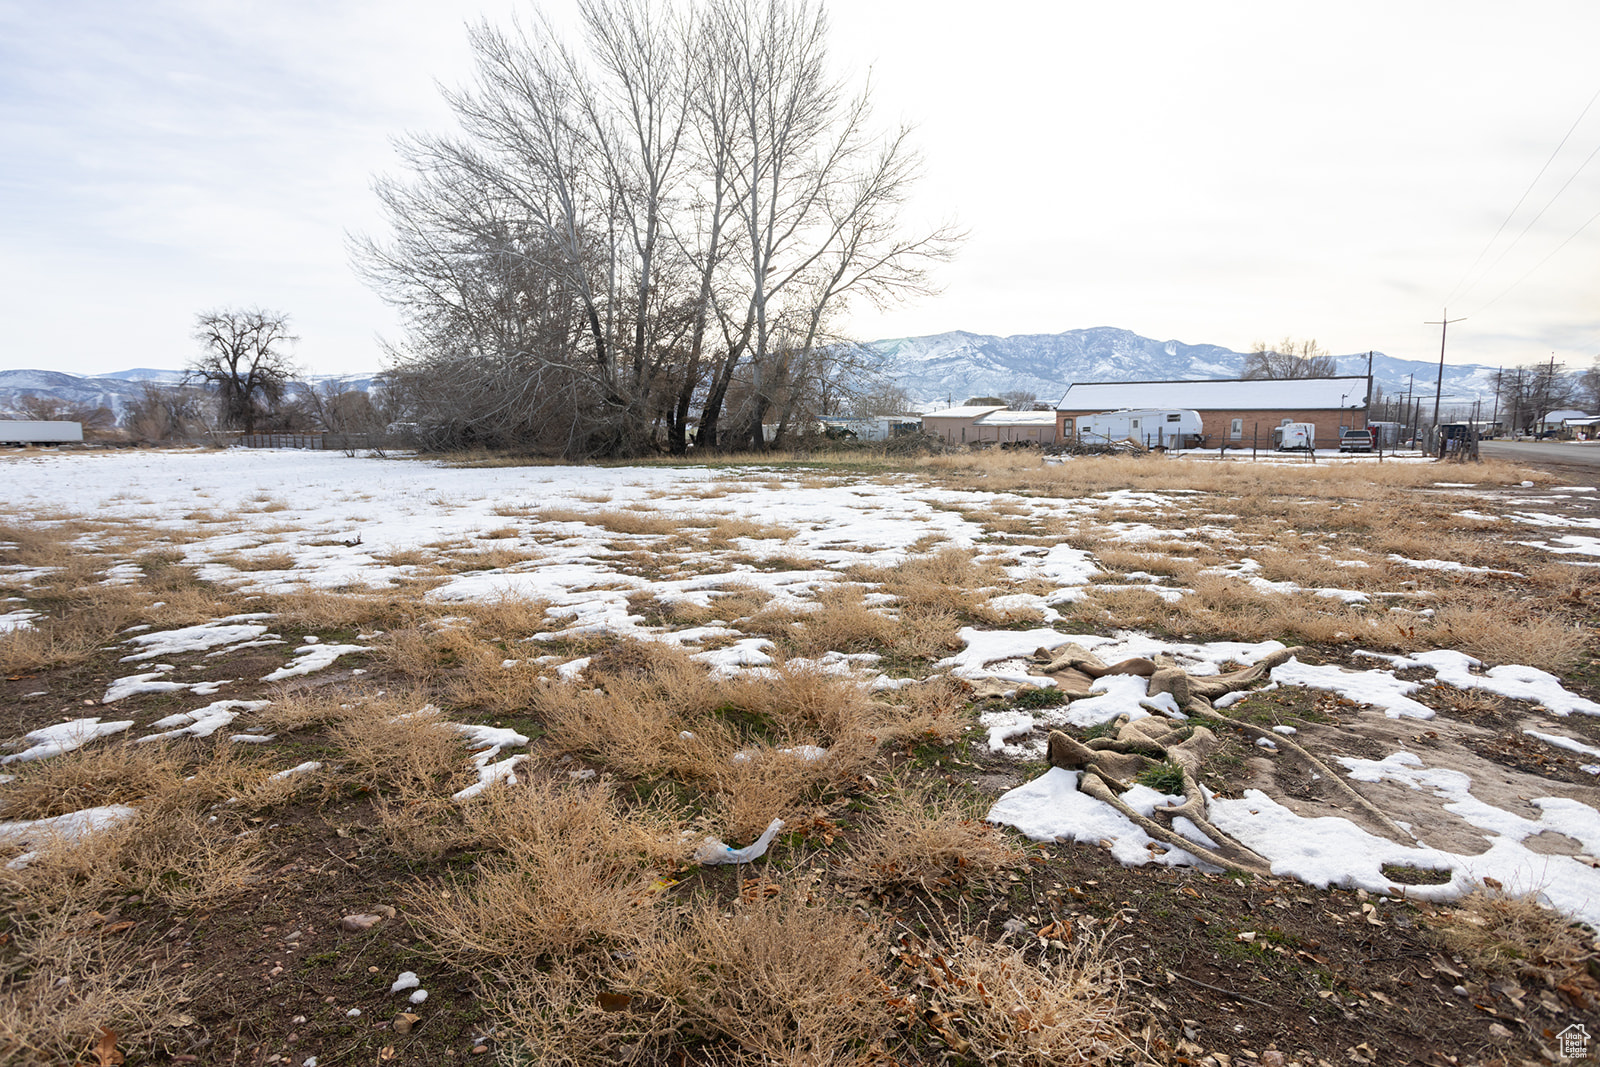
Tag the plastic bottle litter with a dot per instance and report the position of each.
(715, 851)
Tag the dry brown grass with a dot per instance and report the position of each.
(785, 981)
(950, 579)
(1128, 561)
(1220, 606)
(102, 772)
(179, 849)
(638, 523)
(840, 622)
(482, 680)
(406, 557)
(425, 653)
(60, 987)
(1018, 472)
(929, 632)
(49, 643)
(249, 562)
(573, 877)
(497, 558)
(735, 602)
(403, 755)
(651, 713)
(311, 707)
(320, 609)
(920, 839)
(989, 1000)
(934, 711)
(1516, 935)
(725, 529)
(505, 618)
(1496, 631)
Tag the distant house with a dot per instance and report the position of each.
(1584, 429)
(870, 427)
(1236, 412)
(1010, 427)
(1565, 422)
(957, 425)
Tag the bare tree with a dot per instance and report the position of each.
(243, 360)
(1530, 392)
(1023, 400)
(884, 398)
(96, 419)
(163, 413)
(816, 193)
(1588, 390)
(1290, 359)
(664, 217)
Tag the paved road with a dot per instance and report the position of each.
(1578, 462)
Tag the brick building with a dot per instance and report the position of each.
(1237, 412)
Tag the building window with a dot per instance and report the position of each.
(1236, 429)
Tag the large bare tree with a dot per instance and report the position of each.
(1290, 359)
(244, 360)
(659, 217)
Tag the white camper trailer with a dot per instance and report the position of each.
(1294, 437)
(24, 432)
(1151, 427)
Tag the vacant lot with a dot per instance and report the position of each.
(318, 760)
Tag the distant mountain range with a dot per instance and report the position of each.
(112, 391)
(950, 367)
(946, 367)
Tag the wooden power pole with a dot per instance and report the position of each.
(1444, 324)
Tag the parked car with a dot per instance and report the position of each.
(1355, 441)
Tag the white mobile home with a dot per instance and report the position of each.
(1151, 427)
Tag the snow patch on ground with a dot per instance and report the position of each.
(64, 737)
(311, 657)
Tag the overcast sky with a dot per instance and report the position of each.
(1207, 172)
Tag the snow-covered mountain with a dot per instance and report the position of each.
(112, 391)
(950, 367)
(100, 391)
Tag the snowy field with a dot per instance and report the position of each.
(595, 546)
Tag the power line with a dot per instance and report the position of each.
(1524, 196)
(1542, 262)
(1535, 219)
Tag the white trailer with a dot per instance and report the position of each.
(1295, 437)
(19, 432)
(1151, 427)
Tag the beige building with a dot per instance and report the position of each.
(1012, 427)
(972, 425)
(955, 425)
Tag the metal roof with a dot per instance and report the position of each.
(1018, 418)
(1265, 394)
(962, 413)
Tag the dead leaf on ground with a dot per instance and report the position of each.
(105, 1049)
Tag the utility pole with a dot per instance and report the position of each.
(1444, 324)
(1499, 376)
